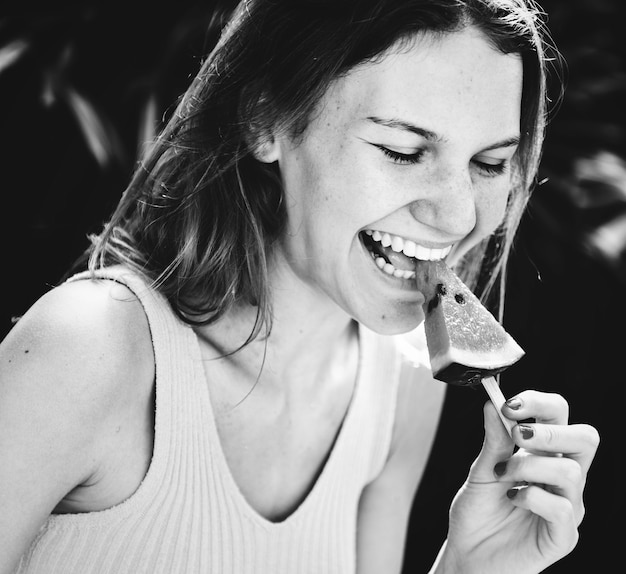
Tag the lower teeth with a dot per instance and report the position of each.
(389, 269)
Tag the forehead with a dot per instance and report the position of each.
(444, 83)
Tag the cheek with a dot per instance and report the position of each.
(491, 209)
(490, 212)
(491, 199)
(316, 204)
(323, 185)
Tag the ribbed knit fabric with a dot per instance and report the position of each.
(188, 515)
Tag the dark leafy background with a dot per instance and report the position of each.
(84, 85)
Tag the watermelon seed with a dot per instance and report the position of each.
(459, 298)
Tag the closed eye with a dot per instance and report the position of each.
(402, 158)
(492, 168)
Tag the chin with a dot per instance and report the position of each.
(394, 323)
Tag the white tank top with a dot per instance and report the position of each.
(188, 515)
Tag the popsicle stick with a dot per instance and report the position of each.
(497, 398)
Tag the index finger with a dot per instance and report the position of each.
(547, 408)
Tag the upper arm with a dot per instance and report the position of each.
(386, 503)
(56, 370)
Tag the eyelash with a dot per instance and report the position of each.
(414, 158)
(403, 158)
(491, 168)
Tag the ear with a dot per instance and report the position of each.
(265, 148)
(259, 130)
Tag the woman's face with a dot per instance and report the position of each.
(412, 150)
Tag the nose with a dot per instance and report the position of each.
(447, 203)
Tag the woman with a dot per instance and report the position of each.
(236, 397)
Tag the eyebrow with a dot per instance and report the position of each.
(509, 142)
(402, 125)
(432, 136)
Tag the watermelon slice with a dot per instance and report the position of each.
(465, 342)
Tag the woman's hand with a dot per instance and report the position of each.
(519, 512)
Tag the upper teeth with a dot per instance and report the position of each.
(408, 247)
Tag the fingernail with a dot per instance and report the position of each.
(527, 432)
(512, 492)
(514, 404)
(499, 469)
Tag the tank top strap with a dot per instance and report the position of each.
(380, 363)
(176, 371)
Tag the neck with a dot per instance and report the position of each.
(311, 343)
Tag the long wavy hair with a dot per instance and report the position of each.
(200, 215)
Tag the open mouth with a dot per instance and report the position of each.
(397, 256)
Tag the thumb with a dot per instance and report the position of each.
(497, 446)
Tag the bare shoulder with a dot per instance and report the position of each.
(76, 361)
(83, 350)
(85, 337)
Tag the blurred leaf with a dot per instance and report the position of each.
(99, 132)
(11, 53)
(601, 180)
(609, 242)
(148, 124)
